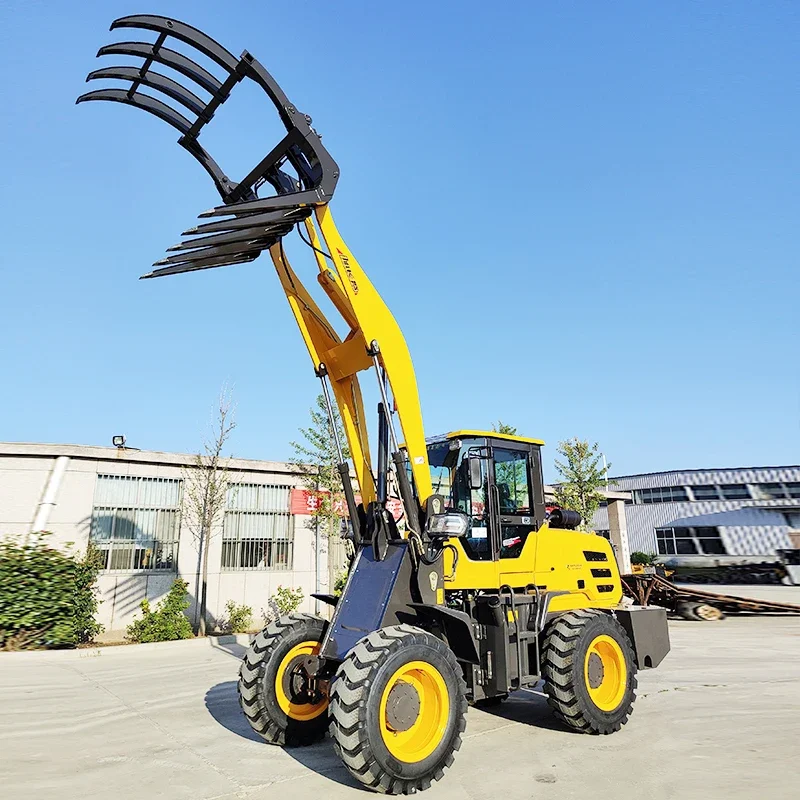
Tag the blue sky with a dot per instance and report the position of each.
(583, 215)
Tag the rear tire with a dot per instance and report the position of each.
(397, 709)
(700, 612)
(589, 671)
(271, 690)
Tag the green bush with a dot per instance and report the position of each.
(646, 559)
(238, 618)
(338, 584)
(287, 599)
(47, 597)
(167, 622)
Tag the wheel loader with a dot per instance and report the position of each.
(478, 591)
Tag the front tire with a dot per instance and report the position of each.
(273, 693)
(589, 671)
(398, 709)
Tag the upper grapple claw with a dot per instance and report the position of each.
(299, 169)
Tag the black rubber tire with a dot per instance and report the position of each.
(355, 701)
(697, 612)
(257, 676)
(566, 642)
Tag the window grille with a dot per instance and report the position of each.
(257, 532)
(136, 522)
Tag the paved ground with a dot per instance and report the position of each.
(719, 719)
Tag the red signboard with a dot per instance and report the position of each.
(303, 501)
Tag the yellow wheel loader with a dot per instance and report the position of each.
(480, 591)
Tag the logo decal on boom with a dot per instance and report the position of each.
(346, 264)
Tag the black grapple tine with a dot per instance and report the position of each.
(244, 235)
(183, 32)
(154, 80)
(299, 170)
(143, 101)
(167, 57)
(264, 204)
(210, 263)
(250, 220)
(254, 243)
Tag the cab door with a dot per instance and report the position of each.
(512, 498)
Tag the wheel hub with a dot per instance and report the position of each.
(297, 683)
(402, 706)
(595, 670)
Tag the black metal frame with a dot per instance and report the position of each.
(252, 223)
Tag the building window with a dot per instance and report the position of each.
(735, 491)
(136, 522)
(257, 532)
(705, 492)
(689, 541)
(664, 494)
(778, 491)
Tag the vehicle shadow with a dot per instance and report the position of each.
(233, 649)
(527, 708)
(222, 703)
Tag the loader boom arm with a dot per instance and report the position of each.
(374, 339)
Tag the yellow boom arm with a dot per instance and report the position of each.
(374, 339)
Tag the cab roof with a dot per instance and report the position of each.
(490, 434)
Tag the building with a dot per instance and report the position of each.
(711, 515)
(130, 503)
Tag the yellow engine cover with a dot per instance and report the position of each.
(553, 559)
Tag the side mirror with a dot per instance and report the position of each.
(449, 524)
(474, 472)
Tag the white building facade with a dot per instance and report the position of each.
(131, 505)
(704, 516)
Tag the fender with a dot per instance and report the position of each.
(457, 627)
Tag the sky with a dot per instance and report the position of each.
(583, 215)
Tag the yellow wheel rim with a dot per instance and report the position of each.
(707, 612)
(605, 673)
(299, 711)
(426, 731)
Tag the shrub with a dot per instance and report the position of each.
(287, 599)
(167, 622)
(284, 601)
(646, 559)
(338, 584)
(238, 618)
(47, 597)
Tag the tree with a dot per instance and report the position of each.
(316, 460)
(582, 474)
(205, 494)
(501, 427)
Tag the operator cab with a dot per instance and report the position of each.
(496, 480)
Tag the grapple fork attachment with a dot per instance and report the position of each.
(253, 223)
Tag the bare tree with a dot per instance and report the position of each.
(205, 494)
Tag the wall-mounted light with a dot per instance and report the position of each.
(118, 441)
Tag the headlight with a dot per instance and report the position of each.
(453, 523)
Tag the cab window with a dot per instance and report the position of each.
(511, 479)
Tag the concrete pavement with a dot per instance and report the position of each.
(719, 719)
